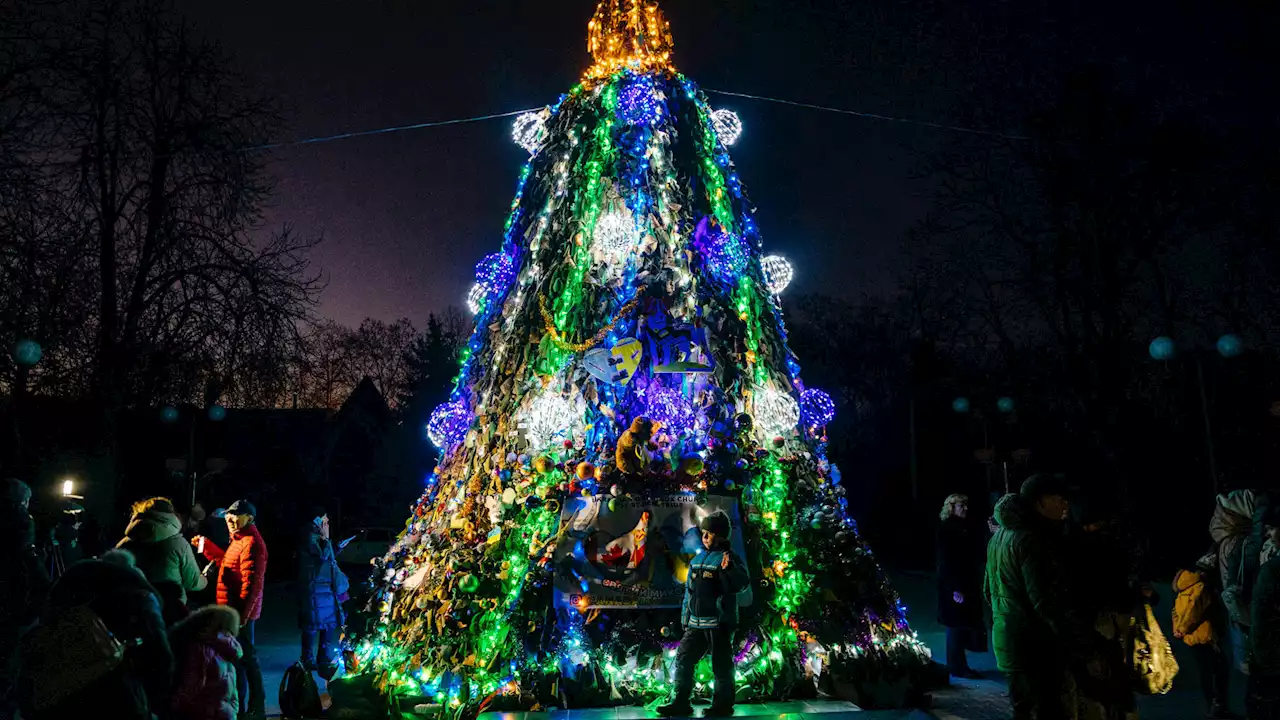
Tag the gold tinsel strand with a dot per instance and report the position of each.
(628, 35)
(558, 339)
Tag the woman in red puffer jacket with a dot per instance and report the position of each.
(205, 648)
(242, 570)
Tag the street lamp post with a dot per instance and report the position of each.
(170, 415)
(1228, 346)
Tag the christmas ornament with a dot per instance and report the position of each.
(776, 413)
(727, 125)
(475, 299)
(777, 273)
(670, 408)
(816, 407)
(448, 424)
(529, 129)
(1162, 348)
(551, 415)
(724, 254)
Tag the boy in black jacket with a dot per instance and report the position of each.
(710, 616)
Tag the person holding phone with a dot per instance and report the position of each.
(322, 587)
(242, 571)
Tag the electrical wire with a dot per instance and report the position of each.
(496, 116)
(385, 130)
(870, 116)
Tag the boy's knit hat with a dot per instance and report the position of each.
(717, 523)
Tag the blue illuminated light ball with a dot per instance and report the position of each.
(724, 254)
(816, 407)
(449, 424)
(217, 413)
(639, 102)
(1230, 346)
(1162, 348)
(960, 405)
(27, 353)
(495, 273)
(169, 414)
(670, 408)
(1005, 405)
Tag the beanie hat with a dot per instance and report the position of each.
(717, 523)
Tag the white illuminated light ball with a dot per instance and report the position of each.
(776, 413)
(551, 415)
(475, 297)
(529, 130)
(728, 125)
(777, 273)
(615, 235)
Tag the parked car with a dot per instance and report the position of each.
(365, 545)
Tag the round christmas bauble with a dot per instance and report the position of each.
(586, 471)
(613, 504)
(729, 485)
(742, 464)
(727, 125)
(468, 583)
(777, 273)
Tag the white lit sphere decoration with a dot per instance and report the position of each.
(529, 129)
(776, 413)
(550, 415)
(777, 273)
(475, 298)
(615, 235)
(728, 125)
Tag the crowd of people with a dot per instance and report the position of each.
(144, 629)
(1055, 584)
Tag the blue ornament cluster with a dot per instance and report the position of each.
(816, 407)
(449, 424)
(639, 102)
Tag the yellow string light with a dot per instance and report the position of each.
(628, 35)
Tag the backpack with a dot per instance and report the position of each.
(67, 652)
(299, 694)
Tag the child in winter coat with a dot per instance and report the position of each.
(710, 616)
(1196, 610)
(206, 653)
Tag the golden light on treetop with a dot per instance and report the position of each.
(628, 34)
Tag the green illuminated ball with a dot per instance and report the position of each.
(468, 583)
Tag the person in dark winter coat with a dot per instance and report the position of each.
(322, 588)
(206, 651)
(961, 554)
(1263, 688)
(242, 570)
(1105, 560)
(1037, 635)
(24, 580)
(139, 684)
(154, 536)
(710, 617)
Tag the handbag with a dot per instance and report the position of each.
(1151, 657)
(67, 652)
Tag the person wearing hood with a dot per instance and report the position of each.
(242, 569)
(1230, 528)
(164, 556)
(1037, 635)
(1197, 616)
(56, 682)
(322, 588)
(1262, 693)
(206, 651)
(24, 578)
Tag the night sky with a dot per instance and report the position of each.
(406, 216)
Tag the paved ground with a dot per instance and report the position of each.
(966, 700)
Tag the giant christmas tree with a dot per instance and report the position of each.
(629, 374)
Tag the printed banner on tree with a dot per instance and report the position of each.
(635, 555)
